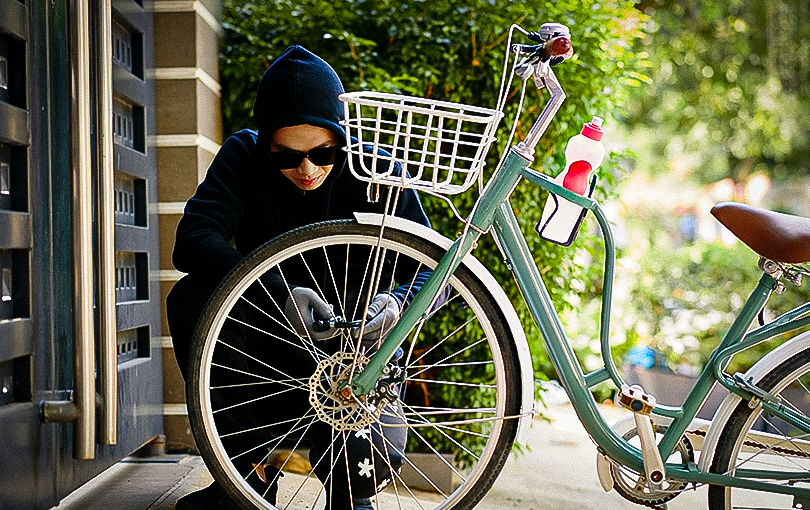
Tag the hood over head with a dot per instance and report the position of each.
(298, 88)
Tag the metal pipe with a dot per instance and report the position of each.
(105, 225)
(84, 391)
(59, 411)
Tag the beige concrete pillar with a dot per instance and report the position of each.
(189, 133)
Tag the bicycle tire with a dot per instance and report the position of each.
(790, 381)
(479, 438)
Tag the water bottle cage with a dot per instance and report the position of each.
(568, 242)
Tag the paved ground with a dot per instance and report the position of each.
(558, 473)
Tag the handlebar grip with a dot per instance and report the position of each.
(554, 50)
(557, 49)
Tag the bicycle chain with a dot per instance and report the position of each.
(751, 443)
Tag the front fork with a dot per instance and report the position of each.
(481, 218)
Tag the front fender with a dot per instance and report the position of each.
(524, 355)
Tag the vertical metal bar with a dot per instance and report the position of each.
(84, 391)
(559, 349)
(105, 224)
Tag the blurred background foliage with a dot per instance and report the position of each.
(693, 92)
(723, 117)
(729, 87)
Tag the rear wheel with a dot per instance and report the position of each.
(756, 440)
(265, 405)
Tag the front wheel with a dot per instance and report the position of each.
(754, 442)
(265, 403)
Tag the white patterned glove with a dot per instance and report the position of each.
(383, 314)
(303, 308)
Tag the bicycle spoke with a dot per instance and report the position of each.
(252, 401)
(253, 358)
(439, 343)
(240, 385)
(308, 347)
(439, 411)
(439, 363)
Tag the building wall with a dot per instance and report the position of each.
(189, 133)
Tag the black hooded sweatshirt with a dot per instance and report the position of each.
(245, 199)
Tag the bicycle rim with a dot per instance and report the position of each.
(267, 398)
(755, 440)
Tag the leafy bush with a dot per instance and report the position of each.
(684, 300)
(454, 51)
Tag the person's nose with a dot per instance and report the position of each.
(307, 168)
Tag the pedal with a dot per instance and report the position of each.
(642, 404)
(634, 398)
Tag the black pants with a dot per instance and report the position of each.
(356, 451)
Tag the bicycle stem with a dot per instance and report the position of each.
(548, 79)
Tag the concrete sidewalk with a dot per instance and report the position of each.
(557, 473)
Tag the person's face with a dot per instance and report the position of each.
(289, 143)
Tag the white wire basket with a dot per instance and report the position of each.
(440, 145)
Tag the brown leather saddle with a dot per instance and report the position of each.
(776, 236)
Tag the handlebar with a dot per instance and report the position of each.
(554, 44)
(554, 48)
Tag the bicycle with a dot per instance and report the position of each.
(455, 371)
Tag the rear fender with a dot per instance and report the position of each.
(761, 368)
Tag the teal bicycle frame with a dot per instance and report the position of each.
(493, 211)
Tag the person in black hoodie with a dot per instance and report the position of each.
(289, 172)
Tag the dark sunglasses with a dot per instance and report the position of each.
(320, 156)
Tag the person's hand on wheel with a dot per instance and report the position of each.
(383, 314)
(303, 308)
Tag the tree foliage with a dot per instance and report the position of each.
(729, 86)
(452, 50)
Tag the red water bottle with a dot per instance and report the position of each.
(583, 154)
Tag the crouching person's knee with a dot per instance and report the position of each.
(360, 464)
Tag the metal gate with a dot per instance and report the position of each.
(80, 374)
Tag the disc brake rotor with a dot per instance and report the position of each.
(325, 385)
